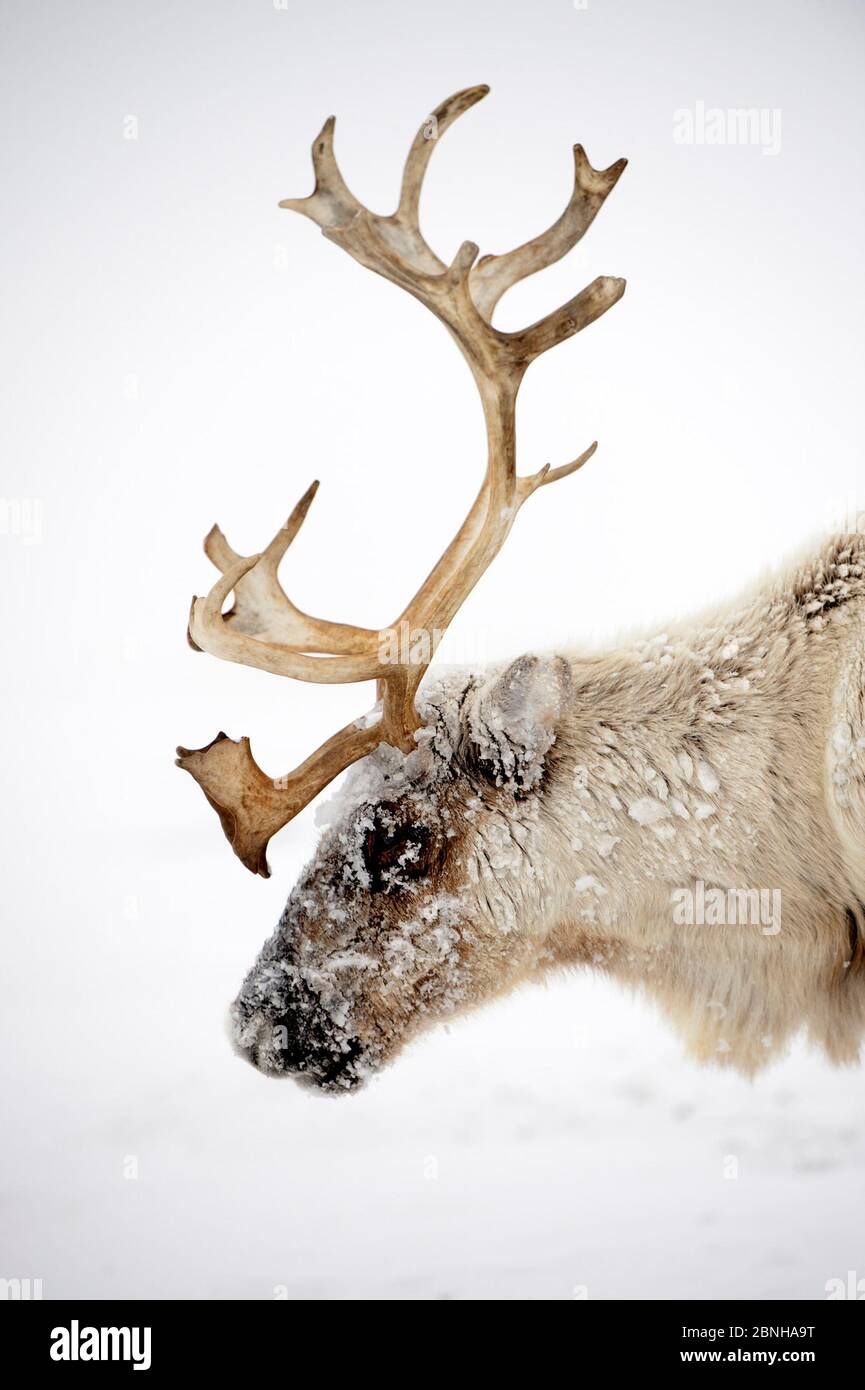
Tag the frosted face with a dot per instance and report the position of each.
(371, 942)
(421, 898)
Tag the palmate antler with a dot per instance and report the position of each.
(264, 628)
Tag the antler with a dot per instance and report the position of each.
(264, 628)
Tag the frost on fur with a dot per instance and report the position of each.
(560, 812)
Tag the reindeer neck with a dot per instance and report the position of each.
(720, 757)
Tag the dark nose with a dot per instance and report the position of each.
(298, 1043)
(299, 1039)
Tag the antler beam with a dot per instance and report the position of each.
(264, 628)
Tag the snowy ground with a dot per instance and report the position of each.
(179, 351)
(555, 1143)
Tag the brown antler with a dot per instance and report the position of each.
(264, 628)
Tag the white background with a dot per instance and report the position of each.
(176, 350)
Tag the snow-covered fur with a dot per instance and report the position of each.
(686, 814)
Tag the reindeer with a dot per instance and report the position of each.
(501, 825)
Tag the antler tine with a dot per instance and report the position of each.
(423, 145)
(210, 632)
(217, 549)
(271, 557)
(493, 275)
(526, 486)
(331, 203)
(264, 614)
(571, 318)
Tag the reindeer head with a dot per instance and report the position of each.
(427, 892)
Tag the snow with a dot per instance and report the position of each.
(647, 810)
(589, 884)
(558, 1138)
(606, 844)
(569, 1109)
(686, 765)
(707, 777)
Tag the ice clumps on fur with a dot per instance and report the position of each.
(507, 721)
(387, 773)
(512, 720)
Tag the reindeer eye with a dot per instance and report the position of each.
(394, 853)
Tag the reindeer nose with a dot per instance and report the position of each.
(287, 1045)
(269, 1044)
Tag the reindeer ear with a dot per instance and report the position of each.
(512, 721)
